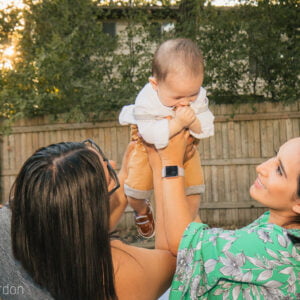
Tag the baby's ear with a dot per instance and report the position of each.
(153, 83)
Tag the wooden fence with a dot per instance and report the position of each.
(244, 137)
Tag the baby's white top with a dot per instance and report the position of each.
(150, 116)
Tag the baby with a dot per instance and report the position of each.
(172, 101)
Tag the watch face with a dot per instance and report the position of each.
(171, 171)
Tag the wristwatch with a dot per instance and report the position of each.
(172, 171)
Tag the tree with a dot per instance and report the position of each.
(64, 60)
(67, 64)
(273, 48)
(9, 22)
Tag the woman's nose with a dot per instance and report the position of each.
(263, 168)
(113, 164)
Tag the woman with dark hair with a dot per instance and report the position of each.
(259, 261)
(64, 203)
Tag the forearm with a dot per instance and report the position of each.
(177, 214)
(164, 211)
(160, 237)
(172, 210)
(170, 192)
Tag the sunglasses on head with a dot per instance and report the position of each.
(111, 171)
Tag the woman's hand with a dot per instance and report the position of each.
(190, 149)
(123, 173)
(153, 156)
(118, 200)
(174, 153)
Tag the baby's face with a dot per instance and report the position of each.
(177, 89)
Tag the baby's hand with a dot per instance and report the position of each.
(185, 116)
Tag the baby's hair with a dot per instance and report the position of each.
(174, 54)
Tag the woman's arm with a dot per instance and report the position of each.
(118, 200)
(170, 192)
(160, 237)
(176, 210)
(139, 273)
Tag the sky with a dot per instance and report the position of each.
(5, 3)
(19, 3)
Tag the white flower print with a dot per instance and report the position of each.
(213, 239)
(246, 294)
(199, 245)
(265, 236)
(209, 265)
(272, 292)
(283, 240)
(225, 295)
(194, 287)
(265, 275)
(232, 264)
(217, 265)
(272, 253)
(296, 254)
(235, 292)
(184, 264)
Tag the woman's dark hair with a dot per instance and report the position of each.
(297, 219)
(60, 222)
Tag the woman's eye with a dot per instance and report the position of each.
(279, 171)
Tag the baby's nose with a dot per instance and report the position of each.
(185, 102)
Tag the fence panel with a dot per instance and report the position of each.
(244, 137)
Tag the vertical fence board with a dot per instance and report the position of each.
(231, 139)
(244, 139)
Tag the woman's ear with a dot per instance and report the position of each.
(153, 83)
(296, 206)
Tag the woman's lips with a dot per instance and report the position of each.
(258, 184)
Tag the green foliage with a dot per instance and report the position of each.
(67, 64)
(66, 49)
(250, 50)
(224, 46)
(273, 48)
(9, 20)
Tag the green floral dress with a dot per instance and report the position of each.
(259, 261)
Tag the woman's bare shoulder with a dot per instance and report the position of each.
(141, 273)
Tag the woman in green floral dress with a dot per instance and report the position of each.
(259, 261)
